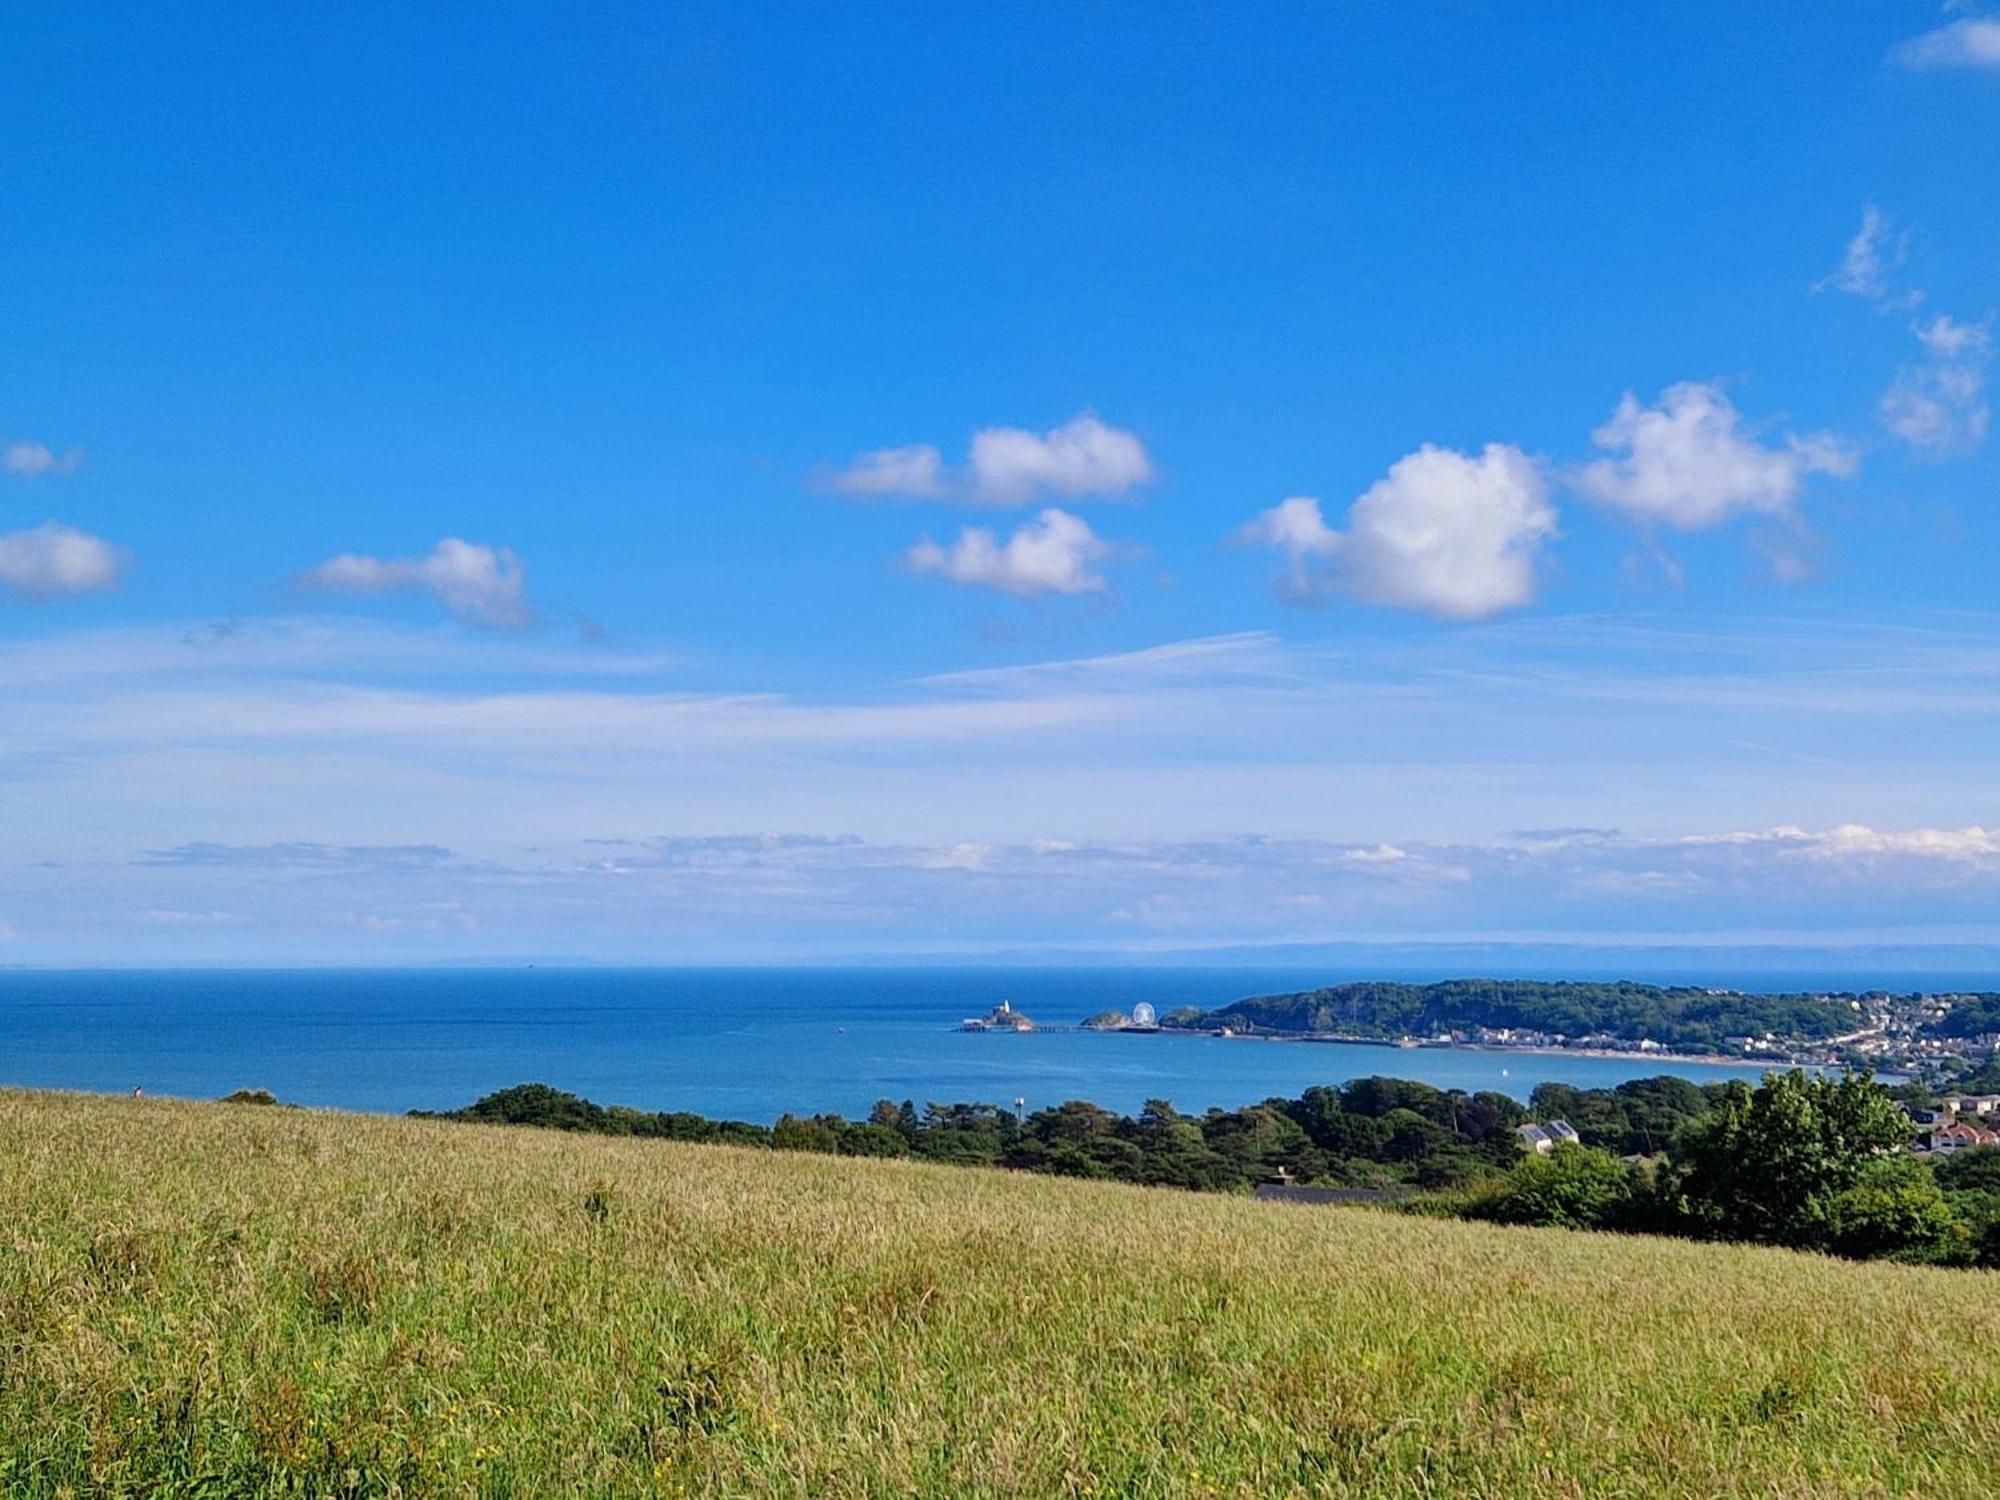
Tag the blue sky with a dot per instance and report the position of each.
(767, 482)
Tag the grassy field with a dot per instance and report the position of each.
(232, 1300)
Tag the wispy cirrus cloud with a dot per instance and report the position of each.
(1937, 404)
(26, 459)
(298, 856)
(1877, 251)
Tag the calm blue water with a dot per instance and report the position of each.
(743, 1044)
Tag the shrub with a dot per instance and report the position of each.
(1896, 1210)
(1569, 1187)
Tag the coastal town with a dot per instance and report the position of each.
(1921, 1037)
(1911, 1036)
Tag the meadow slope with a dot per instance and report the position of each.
(234, 1300)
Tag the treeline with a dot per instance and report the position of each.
(1807, 1162)
(1684, 1018)
(1976, 1015)
(1812, 1163)
(1373, 1133)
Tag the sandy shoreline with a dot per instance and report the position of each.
(1706, 1059)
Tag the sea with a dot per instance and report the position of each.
(737, 1043)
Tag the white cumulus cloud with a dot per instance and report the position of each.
(1084, 456)
(54, 560)
(1442, 532)
(916, 471)
(1938, 404)
(1055, 553)
(479, 585)
(1689, 462)
(1973, 42)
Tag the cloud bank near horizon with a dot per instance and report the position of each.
(269, 786)
(717, 895)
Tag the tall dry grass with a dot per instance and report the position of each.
(217, 1300)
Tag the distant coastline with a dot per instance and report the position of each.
(729, 1044)
(1416, 1044)
(1615, 1054)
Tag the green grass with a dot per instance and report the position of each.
(230, 1300)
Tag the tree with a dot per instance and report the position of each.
(1174, 1152)
(1412, 1137)
(1381, 1096)
(1333, 1129)
(871, 1139)
(793, 1134)
(1767, 1164)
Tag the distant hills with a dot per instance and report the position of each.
(1682, 1017)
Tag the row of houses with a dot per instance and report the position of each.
(1961, 1135)
(1960, 1122)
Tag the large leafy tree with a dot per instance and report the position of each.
(1769, 1164)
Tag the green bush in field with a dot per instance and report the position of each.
(1569, 1187)
(1896, 1209)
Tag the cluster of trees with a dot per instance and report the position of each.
(1681, 1017)
(1373, 1133)
(1976, 1015)
(1813, 1163)
(1808, 1162)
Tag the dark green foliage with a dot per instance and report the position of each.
(1976, 1015)
(1375, 1133)
(1974, 1171)
(1680, 1017)
(1801, 1161)
(1637, 1118)
(1984, 1079)
(1767, 1164)
(793, 1134)
(1810, 1162)
(1569, 1187)
(1970, 1181)
(1896, 1210)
